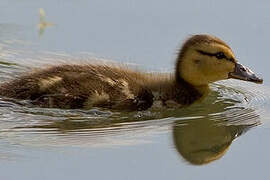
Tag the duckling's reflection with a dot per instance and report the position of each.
(209, 136)
(203, 140)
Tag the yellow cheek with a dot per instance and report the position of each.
(215, 70)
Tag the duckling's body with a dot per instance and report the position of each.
(86, 86)
(203, 59)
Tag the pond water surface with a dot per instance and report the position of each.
(223, 137)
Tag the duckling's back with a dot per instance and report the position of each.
(82, 86)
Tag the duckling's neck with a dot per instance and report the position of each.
(167, 88)
(203, 90)
(187, 93)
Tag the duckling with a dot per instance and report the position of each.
(203, 59)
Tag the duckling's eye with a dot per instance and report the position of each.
(220, 55)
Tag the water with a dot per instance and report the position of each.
(223, 137)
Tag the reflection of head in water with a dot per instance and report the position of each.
(218, 123)
(203, 140)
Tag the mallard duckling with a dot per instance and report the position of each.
(203, 59)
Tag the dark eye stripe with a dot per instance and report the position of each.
(206, 53)
(218, 55)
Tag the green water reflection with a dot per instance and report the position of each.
(202, 133)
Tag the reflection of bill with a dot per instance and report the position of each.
(43, 24)
(204, 140)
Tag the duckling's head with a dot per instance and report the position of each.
(204, 59)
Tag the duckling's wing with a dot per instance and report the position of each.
(142, 101)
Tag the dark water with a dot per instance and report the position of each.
(223, 137)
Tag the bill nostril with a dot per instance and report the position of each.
(243, 69)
